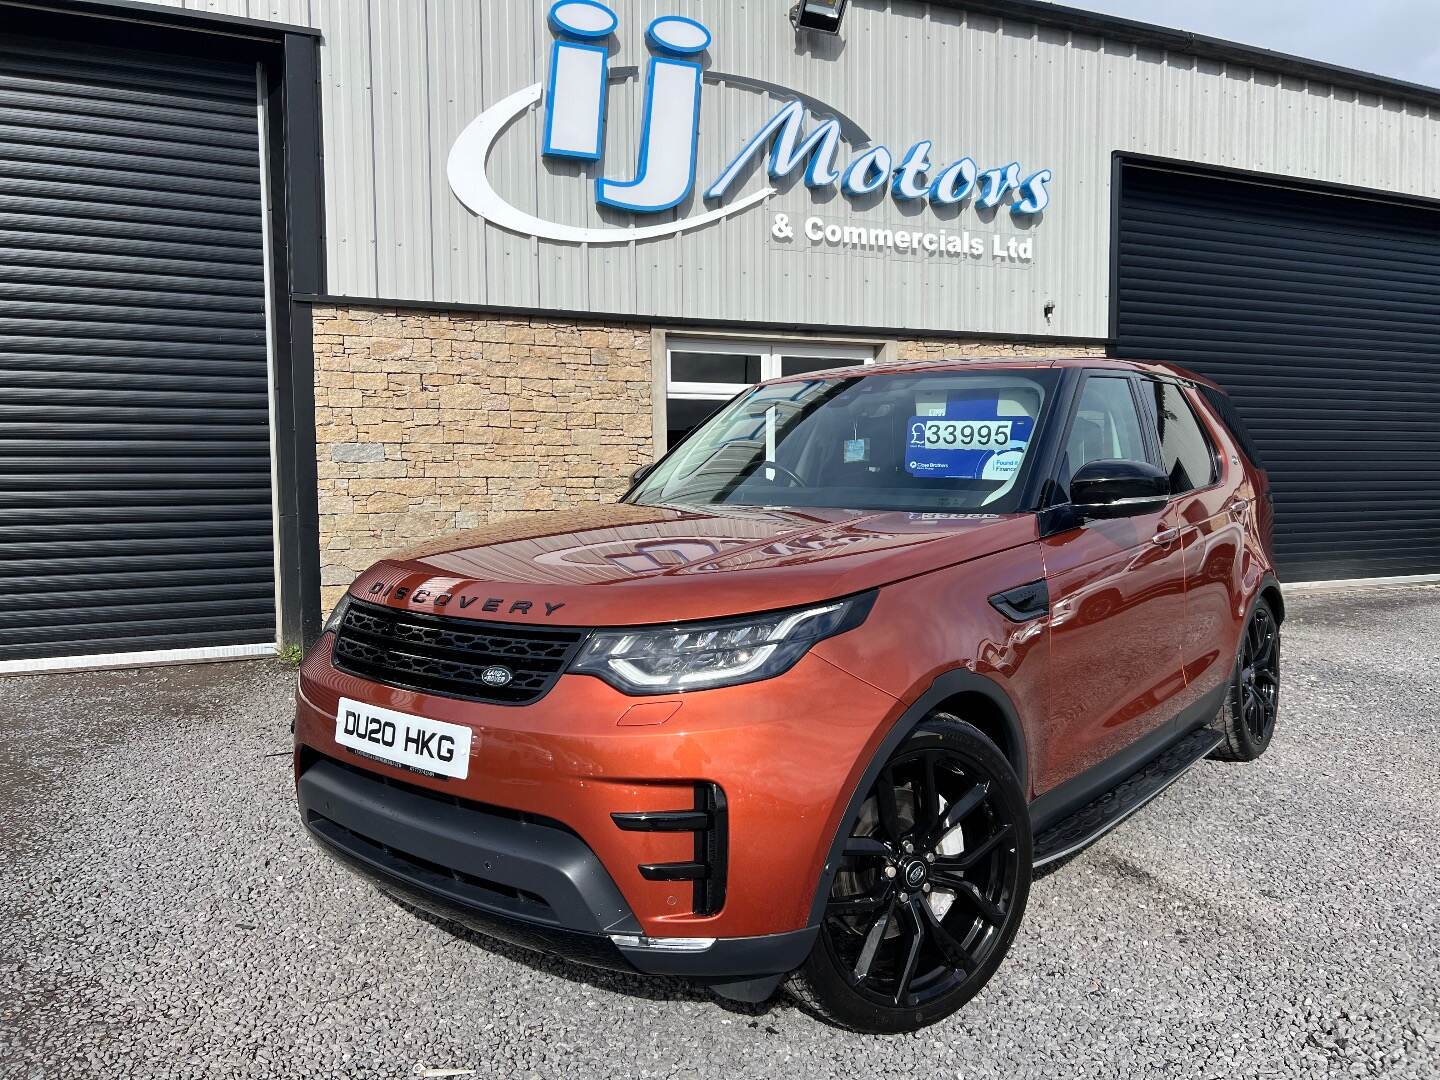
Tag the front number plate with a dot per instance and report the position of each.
(416, 743)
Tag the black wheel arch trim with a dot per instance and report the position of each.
(1268, 583)
(944, 687)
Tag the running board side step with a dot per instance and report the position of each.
(1103, 813)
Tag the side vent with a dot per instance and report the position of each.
(1024, 603)
(709, 821)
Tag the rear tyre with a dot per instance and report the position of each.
(931, 888)
(1247, 719)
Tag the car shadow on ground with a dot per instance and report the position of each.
(646, 987)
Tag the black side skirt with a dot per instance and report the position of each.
(1083, 809)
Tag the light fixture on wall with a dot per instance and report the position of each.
(822, 15)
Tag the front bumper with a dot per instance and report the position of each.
(529, 882)
(526, 847)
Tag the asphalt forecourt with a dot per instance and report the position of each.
(164, 916)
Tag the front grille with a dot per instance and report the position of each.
(441, 655)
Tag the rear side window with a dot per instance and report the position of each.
(1185, 452)
(1230, 417)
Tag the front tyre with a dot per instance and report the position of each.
(1247, 719)
(931, 889)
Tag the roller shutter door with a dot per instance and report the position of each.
(1321, 315)
(134, 421)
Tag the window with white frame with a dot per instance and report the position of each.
(703, 374)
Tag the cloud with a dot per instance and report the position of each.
(1387, 37)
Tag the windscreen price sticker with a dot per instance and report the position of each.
(966, 434)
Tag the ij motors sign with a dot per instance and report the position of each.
(804, 138)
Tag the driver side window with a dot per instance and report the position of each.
(1106, 427)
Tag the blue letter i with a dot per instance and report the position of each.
(575, 113)
(665, 174)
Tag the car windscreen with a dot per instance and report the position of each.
(945, 440)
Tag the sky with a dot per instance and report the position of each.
(1397, 38)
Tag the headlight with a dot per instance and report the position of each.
(337, 616)
(700, 656)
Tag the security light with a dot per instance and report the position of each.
(824, 15)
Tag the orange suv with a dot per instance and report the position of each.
(817, 696)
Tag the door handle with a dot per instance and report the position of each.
(1165, 536)
(1238, 507)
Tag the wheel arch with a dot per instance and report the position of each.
(1270, 593)
(977, 700)
(998, 724)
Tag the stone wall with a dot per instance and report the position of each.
(430, 422)
(950, 349)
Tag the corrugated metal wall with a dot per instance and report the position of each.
(402, 77)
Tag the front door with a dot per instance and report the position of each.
(1117, 601)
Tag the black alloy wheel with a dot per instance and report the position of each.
(1253, 703)
(931, 889)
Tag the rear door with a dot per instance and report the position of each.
(1117, 595)
(1209, 509)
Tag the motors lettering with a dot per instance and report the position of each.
(492, 604)
(384, 733)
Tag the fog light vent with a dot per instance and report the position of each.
(709, 821)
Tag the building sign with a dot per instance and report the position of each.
(824, 234)
(795, 141)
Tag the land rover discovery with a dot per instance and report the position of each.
(817, 696)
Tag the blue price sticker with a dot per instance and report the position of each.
(972, 441)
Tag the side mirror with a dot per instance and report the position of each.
(642, 472)
(1119, 489)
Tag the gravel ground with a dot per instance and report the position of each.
(161, 914)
